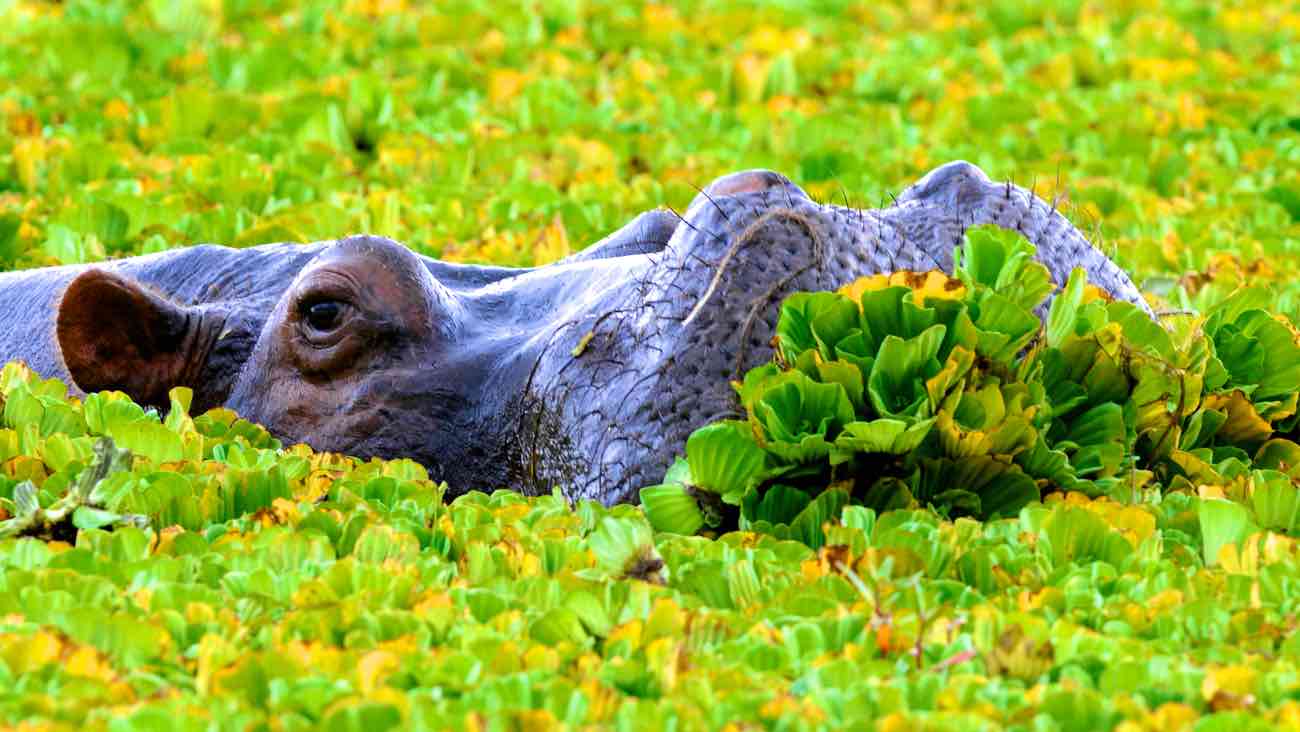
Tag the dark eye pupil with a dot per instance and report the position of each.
(323, 315)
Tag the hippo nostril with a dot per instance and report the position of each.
(953, 182)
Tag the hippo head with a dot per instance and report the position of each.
(356, 357)
(361, 352)
(588, 373)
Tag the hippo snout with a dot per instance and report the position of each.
(654, 362)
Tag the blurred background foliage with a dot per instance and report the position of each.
(515, 133)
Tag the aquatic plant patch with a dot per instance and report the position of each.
(919, 389)
(950, 513)
(207, 576)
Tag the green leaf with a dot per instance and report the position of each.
(724, 459)
(780, 504)
(797, 415)
(559, 625)
(669, 507)
(1005, 328)
(897, 382)
(1076, 535)
(25, 502)
(1064, 313)
(794, 328)
(85, 517)
(624, 547)
(10, 245)
(1222, 523)
(847, 375)
(808, 525)
(888, 436)
(1275, 500)
(891, 312)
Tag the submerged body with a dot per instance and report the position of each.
(588, 373)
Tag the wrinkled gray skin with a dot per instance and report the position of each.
(588, 373)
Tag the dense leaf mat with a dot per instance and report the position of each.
(178, 572)
(187, 574)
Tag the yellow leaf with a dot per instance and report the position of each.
(504, 85)
(316, 485)
(629, 631)
(285, 511)
(117, 109)
(536, 720)
(24, 124)
(1173, 716)
(320, 658)
(924, 285)
(1210, 491)
(88, 663)
(1244, 424)
(214, 654)
(492, 44)
(660, 18)
(42, 648)
(894, 722)
(1163, 601)
(375, 8)
(542, 658)
(552, 243)
(1092, 292)
(373, 668)
(1288, 715)
(1238, 680)
(603, 701)
(750, 76)
(665, 656)
(771, 40)
(26, 467)
(432, 601)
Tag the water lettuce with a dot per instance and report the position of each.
(919, 389)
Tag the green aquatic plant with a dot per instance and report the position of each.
(917, 389)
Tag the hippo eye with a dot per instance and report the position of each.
(324, 315)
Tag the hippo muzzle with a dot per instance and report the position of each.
(587, 374)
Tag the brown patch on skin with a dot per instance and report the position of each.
(115, 334)
(736, 184)
(746, 181)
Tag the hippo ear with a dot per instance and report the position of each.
(115, 334)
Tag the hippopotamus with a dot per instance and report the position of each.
(587, 373)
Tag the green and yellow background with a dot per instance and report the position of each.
(276, 588)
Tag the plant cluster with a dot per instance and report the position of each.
(919, 389)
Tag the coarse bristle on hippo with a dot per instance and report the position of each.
(587, 374)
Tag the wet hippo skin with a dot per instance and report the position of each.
(588, 373)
